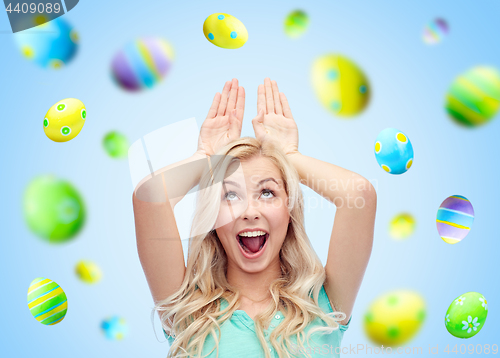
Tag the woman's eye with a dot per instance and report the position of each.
(229, 194)
(267, 191)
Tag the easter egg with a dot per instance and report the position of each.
(466, 315)
(116, 144)
(64, 120)
(340, 85)
(454, 218)
(474, 97)
(296, 23)
(47, 301)
(142, 63)
(225, 31)
(402, 226)
(395, 317)
(52, 44)
(53, 209)
(114, 328)
(393, 151)
(88, 271)
(435, 31)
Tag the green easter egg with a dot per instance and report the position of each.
(116, 145)
(466, 315)
(53, 209)
(474, 97)
(296, 23)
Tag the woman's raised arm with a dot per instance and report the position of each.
(158, 241)
(355, 197)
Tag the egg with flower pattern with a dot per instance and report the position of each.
(466, 315)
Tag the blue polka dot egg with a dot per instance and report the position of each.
(225, 31)
(51, 44)
(114, 328)
(393, 151)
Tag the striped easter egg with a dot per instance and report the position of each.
(47, 301)
(142, 63)
(474, 97)
(435, 31)
(454, 218)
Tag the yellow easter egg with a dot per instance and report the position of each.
(88, 271)
(395, 318)
(225, 31)
(402, 226)
(340, 85)
(64, 120)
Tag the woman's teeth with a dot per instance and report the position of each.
(253, 233)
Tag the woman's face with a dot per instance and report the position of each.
(253, 197)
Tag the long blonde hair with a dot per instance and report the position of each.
(193, 311)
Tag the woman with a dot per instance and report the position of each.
(253, 285)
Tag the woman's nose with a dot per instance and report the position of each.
(251, 210)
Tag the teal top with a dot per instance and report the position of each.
(238, 335)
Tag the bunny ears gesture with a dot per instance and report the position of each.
(273, 124)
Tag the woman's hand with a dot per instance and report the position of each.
(274, 122)
(224, 119)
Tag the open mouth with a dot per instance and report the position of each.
(252, 245)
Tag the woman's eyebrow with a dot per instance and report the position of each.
(259, 183)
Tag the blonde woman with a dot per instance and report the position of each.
(253, 285)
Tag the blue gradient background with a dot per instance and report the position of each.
(409, 80)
